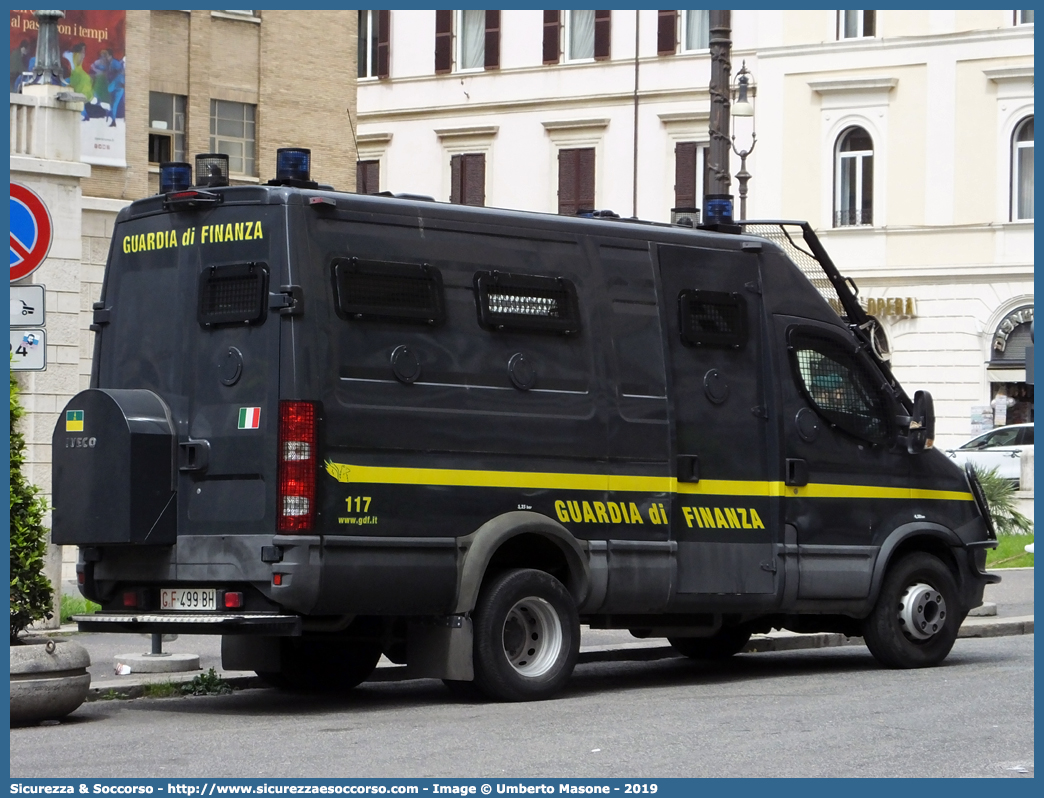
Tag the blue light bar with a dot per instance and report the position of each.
(717, 209)
(175, 176)
(293, 163)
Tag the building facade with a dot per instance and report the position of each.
(904, 137)
(241, 83)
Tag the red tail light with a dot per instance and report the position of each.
(297, 466)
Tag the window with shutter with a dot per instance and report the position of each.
(492, 40)
(576, 181)
(383, 43)
(666, 32)
(367, 177)
(602, 34)
(552, 37)
(373, 44)
(685, 175)
(690, 174)
(443, 41)
(468, 179)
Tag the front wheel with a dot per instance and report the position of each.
(728, 641)
(917, 616)
(527, 636)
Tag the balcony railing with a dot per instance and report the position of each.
(853, 217)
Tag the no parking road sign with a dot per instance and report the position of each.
(31, 231)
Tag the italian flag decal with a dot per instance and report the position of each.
(249, 417)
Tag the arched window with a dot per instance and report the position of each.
(854, 179)
(1022, 170)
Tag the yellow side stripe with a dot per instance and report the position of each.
(822, 491)
(537, 480)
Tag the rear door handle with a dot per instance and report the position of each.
(797, 472)
(193, 455)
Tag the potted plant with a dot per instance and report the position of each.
(49, 677)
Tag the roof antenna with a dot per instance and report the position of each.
(350, 125)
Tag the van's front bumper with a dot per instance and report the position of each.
(191, 623)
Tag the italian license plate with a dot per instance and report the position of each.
(191, 599)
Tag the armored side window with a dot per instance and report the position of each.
(233, 294)
(382, 291)
(526, 302)
(712, 318)
(839, 385)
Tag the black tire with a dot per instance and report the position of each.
(527, 636)
(728, 641)
(313, 665)
(917, 616)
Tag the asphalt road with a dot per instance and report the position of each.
(823, 712)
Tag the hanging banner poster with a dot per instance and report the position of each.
(92, 45)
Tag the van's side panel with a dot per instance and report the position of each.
(437, 457)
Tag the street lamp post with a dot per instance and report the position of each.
(720, 49)
(48, 68)
(743, 107)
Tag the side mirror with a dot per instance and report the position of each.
(922, 424)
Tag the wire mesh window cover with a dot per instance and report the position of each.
(839, 386)
(712, 318)
(384, 291)
(527, 302)
(791, 240)
(233, 294)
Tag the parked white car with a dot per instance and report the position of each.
(1000, 448)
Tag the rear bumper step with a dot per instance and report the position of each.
(191, 623)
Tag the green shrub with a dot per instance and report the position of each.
(1000, 497)
(208, 683)
(77, 605)
(31, 593)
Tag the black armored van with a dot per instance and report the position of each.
(329, 426)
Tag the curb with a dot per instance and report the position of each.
(638, 651)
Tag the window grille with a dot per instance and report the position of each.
(712, 318)
(377, 290)
(233, 294)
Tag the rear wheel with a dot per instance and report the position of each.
(527, 636)
(728, 641)
(317, 665)
(917, 616)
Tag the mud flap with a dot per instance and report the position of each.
(441, 648)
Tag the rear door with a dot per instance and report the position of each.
(186, 305)
(724, 518)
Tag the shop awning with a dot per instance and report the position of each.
(1006, 375)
